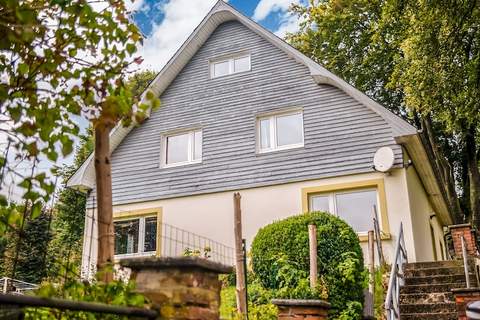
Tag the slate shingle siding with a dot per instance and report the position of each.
(341, 135)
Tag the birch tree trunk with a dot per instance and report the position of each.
(104, 195)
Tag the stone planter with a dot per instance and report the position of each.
(180, 288)
(293, 309)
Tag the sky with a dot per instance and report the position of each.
(166, 24)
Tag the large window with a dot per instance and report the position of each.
(136, 236)
(280, 131)
(354, 206)
(224, 67)
(182, 148)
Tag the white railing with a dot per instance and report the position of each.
(9, 285)
(465, 262)
(392, 301)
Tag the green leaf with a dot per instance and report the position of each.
(131, 48)
(23, 68)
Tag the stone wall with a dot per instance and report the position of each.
(180, 288)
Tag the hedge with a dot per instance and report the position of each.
(340, 258)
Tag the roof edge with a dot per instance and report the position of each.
(428, 176)
(222, 12)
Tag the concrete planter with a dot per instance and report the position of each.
(293, 309)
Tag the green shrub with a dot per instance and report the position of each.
(259, 306)
(340, 259)
(115, 293)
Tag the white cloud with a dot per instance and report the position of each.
(181, 18)
(134, 5)
(265, 7)
(288, 23)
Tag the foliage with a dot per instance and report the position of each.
(381, 284)
(30, 261)
(294, 282)
(32, 258)
(340, 259)
(205, 253)
(420, 60)
(69, 218)
(259, 306)
(114, 293)
(60, 59)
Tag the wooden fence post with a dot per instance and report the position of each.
(371, 265)
(239, 258)
(312, 238)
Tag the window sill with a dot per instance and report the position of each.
(364, 237)
(118, 257)
(230, 75)
(180, 164)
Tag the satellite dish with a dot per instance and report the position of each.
(383, 159)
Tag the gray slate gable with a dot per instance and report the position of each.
(341, 134)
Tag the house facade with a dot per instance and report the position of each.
(242, 111)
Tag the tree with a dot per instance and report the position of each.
(30, 263)
(419, 59)
(61, 58)
(69, 214)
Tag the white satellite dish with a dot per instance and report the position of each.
(383, 159)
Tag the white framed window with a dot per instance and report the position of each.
(231, 65)
(353, 206)
(182, 148)
(280, 131)
(135, 236)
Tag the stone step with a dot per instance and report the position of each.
(434, 264)
(430, 316)
(432, 297)
(413, 308)
(437, 271)
(429, 288)
(452, 278)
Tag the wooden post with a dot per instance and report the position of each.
(371, 264)
(378, 233)
(239, 260)
(312, 239)
(104, 195)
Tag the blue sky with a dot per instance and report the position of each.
(153, 14)
(167, 23)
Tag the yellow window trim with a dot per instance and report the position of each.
(376, 183)
(144, 213)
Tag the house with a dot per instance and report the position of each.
(244, 111)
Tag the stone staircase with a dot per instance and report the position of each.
(426, 293)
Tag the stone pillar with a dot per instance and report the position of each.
(292, 309)
(468, 233)
(463, 297)
(180, 287)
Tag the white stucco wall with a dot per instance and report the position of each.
(211, 215)
(424, 221)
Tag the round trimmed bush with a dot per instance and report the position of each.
(340, 258)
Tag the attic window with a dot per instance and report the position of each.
(227, 66)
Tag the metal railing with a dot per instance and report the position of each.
(392, 301)
(16, 286)
(24, 301)
(179, 242)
